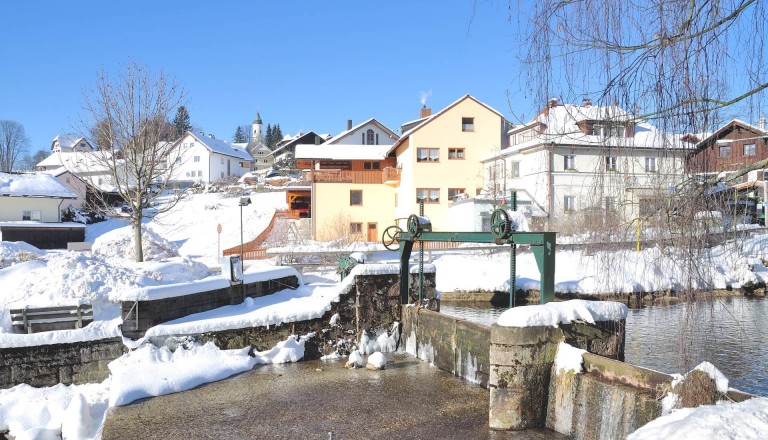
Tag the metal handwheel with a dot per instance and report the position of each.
(391, 238)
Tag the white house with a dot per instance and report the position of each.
(370, 132)
(70, 142)
(593, 160)
(30, 211)
(206, 159)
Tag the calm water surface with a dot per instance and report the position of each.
(731, 333)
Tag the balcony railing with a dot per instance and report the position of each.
(391, 175)
(387, 175)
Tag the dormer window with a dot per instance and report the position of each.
(608, 130)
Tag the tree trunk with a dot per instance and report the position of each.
(137, 239)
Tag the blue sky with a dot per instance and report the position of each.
(305, 65)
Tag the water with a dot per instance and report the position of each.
(731, 333)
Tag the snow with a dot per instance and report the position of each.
(555, 313)
(342, 152)
(725, 421)
(377, 361)
(33, 185)
(355, 360)
(568, 358)
(120, 243)
(720, 380)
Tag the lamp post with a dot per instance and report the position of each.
(244, 201)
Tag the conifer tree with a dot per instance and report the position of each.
(277, 133)
(268, 137)
(239, 135)
(181, 121)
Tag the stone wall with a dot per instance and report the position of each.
(139, 316)
(48, 365)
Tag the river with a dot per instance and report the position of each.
(731, 333)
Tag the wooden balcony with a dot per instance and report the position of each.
(345, 176)
(391, 176)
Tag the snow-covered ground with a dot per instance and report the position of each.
(182, 246)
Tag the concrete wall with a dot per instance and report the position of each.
(451, 344)
(48, 365)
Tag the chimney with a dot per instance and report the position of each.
(585, 103)
(553, 103)
(761, 123)
(425, 112)
(349, 124)
(210, 135)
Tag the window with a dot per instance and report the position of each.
(610, 163)
(355, 228)
(455, 153)
(222, 161)
(355, 197)
(455, 193)
(651, 164)
(428, 195)
(371, 165)
(610, 203)
(197, 159)
(569, 203)
(467, 124)
(369, 137)
(427, 154)
(569, 162)
(725, 151)
(199, 173)
(222, 174)
(514, 170)
(31, 215)
(362, 140)
(749, 150)
(605, 131)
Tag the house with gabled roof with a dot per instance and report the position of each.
(360, 190)
(370, 132)
(284, 151)
(733, 146)
(69, 143)
(576, 163)
(30, 211)
(205, 159)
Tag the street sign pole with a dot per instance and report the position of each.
(218, 245)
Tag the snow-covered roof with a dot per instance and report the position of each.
(68, 141)
(33, 185)
(342, 152)
(222, 147)
(429, 119)
(733, 122)
(559, 125)
(346, 133)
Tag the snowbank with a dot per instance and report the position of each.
(568, 358)
(725, 421)
(12, 252)
(119, 243)
(556, 313)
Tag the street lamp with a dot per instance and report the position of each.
(244, 201)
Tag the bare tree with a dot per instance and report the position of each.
(13, 143)
(683, 62)
(131, 116)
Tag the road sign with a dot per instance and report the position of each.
(218, 228)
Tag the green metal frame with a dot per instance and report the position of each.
(542, 245)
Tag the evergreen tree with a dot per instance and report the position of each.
(181, 121)
(277, 133)
(239, 135)
(268, 137)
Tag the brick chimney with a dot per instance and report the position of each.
(761, 123)
(425, 112)
(553, 103)
(586, 102)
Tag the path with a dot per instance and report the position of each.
(319, 400)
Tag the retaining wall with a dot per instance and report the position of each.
(48, 365)
(139, 316)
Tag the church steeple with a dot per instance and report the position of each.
(256, 129)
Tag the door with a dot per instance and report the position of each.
(373, 232)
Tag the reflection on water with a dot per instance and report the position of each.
(731, 333)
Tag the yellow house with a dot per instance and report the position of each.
(439, 157)
(360, 190)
